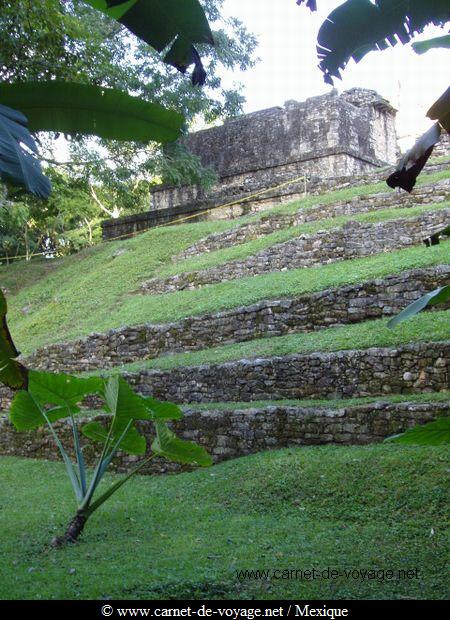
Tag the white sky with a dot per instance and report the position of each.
(288, 68)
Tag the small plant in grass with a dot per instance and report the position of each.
(42, 398)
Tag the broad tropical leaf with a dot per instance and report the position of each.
(12, 373)
(420, 47)
(440, 110)
(63, 390)
(431, 434)
(163, 410)
(126, 407)
(123, 401)
(132, 442)
(26, 414)
(162, 23)
(18, 165)
(167, 444)
(438, 296)
(412, 163)
(357, 27)
(91, 110)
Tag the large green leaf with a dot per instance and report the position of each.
(132, 442)
(163, 23)
(420, 47)
(61, 389)
(12, 373)
(167, 444)
(440, 110)
(91, 110)
(438, 296)
(26, 415)
(123, 402)
(17, 165)
(432, 434)
(163, 410)
(357, 27)
(126, 407)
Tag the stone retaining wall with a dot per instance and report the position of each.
(426, 194)
(413, 368)
(348, 304)
(352, 240)
(235, 433)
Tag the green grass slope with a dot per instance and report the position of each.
(60, 300)
(92, 292)
(188, 536)
(425, 327)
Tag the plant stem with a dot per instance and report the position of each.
(73, 531)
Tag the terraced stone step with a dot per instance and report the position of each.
(412, 368)
(426, 194)
(332, 307)
(352, 240)
(239, 432)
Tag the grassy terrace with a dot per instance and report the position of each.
(429, 397)
(185, 536)
(426, 327)
(72, 302)
(245, 250)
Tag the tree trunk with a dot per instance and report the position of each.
(73, 531)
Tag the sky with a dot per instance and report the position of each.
(288, 67)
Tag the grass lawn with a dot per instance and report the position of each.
(71, 301)
(429, 397)
(186, 536)
(425, 327)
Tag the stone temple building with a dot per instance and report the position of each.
(321, 138)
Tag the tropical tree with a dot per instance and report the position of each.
(72, 41)
(358, 27)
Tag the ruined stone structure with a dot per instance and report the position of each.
(323, 137)
(239, 432)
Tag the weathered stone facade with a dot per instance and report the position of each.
(413, 368)
(322, 137)
(238, 432)
(348, 304)
(352, 240)
(243, 204)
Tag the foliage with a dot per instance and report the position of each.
(86, 109)
(18, 165)
(92, 48)
(44, 398)
(164, 23)
(434, 433)
(357, 27)
(438, 296)
(12, 373)
(67, 222)
(421, 47)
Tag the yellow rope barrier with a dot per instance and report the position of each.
(223, 206)
(233, 203)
